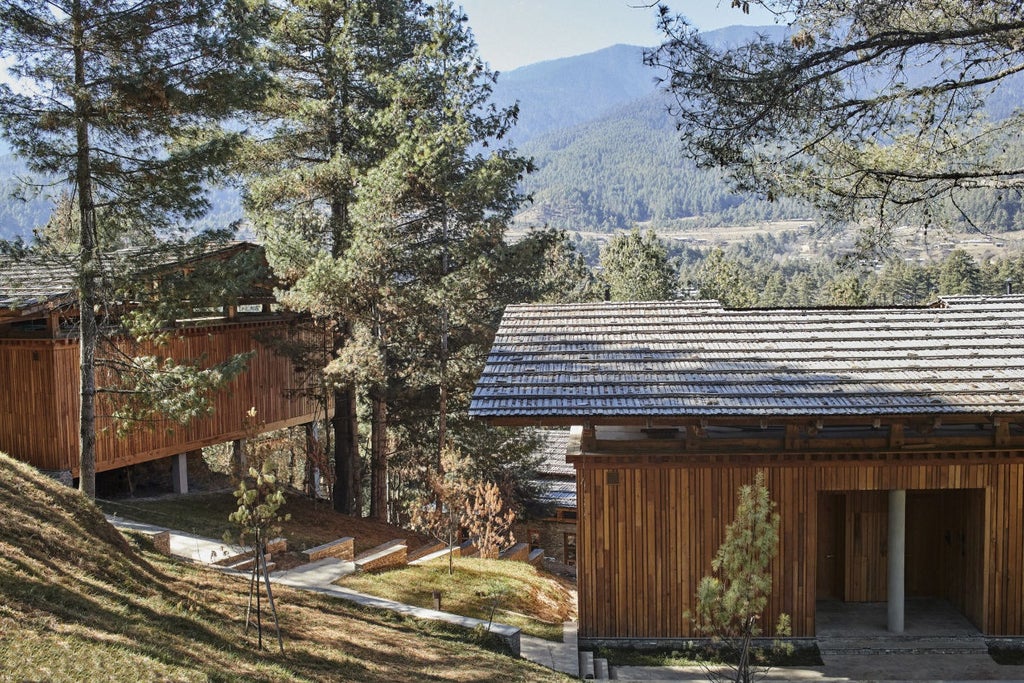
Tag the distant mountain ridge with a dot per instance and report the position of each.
(607, 152)
(567, 92)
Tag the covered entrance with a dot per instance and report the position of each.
(944, 548)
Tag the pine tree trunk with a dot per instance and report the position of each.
(345, 453)
(378, 457)
(88, 270)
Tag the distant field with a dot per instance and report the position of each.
(914, 243)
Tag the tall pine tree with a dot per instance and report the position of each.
(330, 59)
(430, 239)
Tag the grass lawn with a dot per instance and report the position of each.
(312, 522)
(534, 601)
(80, 603)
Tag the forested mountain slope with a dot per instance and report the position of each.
(567, 92)
(628, 168)
(607, 154)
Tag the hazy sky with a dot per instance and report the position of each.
(511, 33)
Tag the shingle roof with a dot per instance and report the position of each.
(675, 359)
(552, 449)
(558, 492)
(27, 284)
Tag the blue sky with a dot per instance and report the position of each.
(512, 33)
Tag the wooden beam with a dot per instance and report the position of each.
(896, 437)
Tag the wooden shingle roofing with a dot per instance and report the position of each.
(34, 283)
(550, 363)
(554, 444)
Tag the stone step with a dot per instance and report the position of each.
(245, 563)
(586, 665)
(443, 552)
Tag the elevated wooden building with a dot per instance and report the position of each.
(39, 369)
(892, 439)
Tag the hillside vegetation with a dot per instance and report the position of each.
(79, 603)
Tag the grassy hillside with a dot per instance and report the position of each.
(519, 594)
(79, 603)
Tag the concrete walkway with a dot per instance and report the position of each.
(184, 545)
(319, 577)
(562, 656)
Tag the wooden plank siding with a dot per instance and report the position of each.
(648, 532)
(39, 399)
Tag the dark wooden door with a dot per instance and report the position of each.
(831, 546)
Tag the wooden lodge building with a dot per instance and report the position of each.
(892, 440)
(40, 385)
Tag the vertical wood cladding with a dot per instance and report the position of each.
(40, 394)
(648, 532)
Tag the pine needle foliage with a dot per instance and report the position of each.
(732, 600)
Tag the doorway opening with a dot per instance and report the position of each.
(944, 548)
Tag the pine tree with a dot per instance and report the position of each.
(118, 100)
(875, 111)
(731, 600)
(636, 268)
(321, 140)
(428, 263)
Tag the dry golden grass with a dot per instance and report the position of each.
(535, 601)
(79, 603)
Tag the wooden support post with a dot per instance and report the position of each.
(792, 437)
(588, 441)
(238, 459)
(1002, 432)
(896, 436)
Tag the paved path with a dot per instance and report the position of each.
(188, 546)
(854, 668)
(562, 656)
(319, 577)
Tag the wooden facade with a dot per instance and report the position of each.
(40, 393)
(40, 376)
(649, 529)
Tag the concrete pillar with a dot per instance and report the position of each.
(897, 558)
(179, 472)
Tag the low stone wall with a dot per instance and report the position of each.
(385, 556)
(162, 542)
(343, 549)
(423, 551)
(520, 552)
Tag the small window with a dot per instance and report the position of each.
(570, 549)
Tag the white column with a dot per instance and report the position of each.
(179, 472)
(897, 558)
